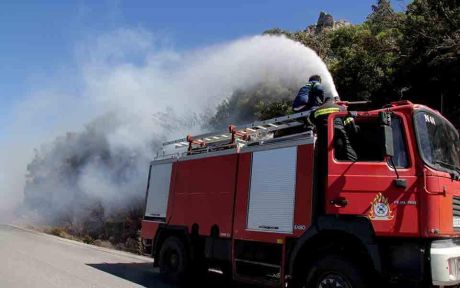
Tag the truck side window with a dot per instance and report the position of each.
(366, 142)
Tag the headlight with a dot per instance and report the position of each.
(445, 262)
(454, 268)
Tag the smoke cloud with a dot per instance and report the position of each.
(107, 115)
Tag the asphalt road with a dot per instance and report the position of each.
(32, 259)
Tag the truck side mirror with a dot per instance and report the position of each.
(387, 134)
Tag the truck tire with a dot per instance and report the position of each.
(335, 271)
(174, 260)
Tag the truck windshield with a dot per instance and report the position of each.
(438, 141)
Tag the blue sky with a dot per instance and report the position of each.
(38, 39)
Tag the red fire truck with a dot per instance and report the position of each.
(254, 201)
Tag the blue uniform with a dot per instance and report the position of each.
(310, 96)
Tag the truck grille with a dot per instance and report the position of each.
(456, 212)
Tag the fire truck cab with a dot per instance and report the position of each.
(257, 204)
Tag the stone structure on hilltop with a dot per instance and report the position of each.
(326, 23)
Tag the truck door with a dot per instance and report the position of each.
(367, 187)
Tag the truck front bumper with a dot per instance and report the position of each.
(445, 262)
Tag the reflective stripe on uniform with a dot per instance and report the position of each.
(325, 111)
(348, 120)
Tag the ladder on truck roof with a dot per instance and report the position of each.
(238, 136)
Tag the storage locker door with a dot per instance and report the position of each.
(272, 192)
(157, 198)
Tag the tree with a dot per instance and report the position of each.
(430, 62)
(363, 62)
(383, 17)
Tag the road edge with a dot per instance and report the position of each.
(103, 249)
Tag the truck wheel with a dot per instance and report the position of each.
(173, 260)
(335, 271)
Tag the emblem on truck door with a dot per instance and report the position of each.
(380, 209)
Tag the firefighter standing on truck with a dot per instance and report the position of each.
(344, 128)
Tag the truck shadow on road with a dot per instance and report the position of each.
(143, 274)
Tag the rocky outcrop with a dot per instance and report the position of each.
(326, 23)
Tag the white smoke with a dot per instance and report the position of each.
(132, 76)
